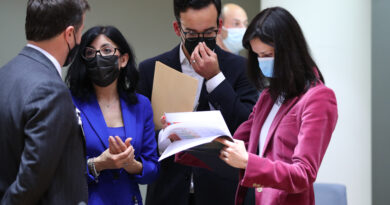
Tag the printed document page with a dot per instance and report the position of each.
(193, 129)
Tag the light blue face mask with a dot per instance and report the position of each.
(267, 66)
(233, 41)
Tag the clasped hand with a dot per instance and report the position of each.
(119, 154)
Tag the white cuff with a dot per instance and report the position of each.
(162, 144)
(212, 83)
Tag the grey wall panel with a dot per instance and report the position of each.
(380, 101)
(146, 24)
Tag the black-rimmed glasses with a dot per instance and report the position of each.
(105, 51)
(192, 36)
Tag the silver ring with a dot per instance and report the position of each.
(125, 164)
(193, 61)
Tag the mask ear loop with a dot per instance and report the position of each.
(75, 42)
(74, 37)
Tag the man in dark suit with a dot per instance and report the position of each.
(223, 86)
(41, 145)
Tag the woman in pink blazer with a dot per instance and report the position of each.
(280, 147)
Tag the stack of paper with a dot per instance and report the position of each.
(194, 129)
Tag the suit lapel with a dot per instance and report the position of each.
(129, 120)
(275, 123)
(174, 58)
(264, 108)
(94, 117)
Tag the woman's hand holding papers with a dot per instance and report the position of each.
(172, 137)
(234, 153)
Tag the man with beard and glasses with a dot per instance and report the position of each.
(42, 150)
(222, 85)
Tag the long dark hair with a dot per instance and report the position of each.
(294, 69)
(77, 79)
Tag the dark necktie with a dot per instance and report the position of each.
(203, 103)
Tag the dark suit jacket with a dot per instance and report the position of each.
(42, 151)
(234, 97)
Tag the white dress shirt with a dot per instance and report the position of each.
(267, 125)
(49, 56)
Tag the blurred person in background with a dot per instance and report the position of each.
(234, 24)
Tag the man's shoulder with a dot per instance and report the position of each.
(24, 70)
(17, 61)
(155, 58)
(164, 58)
(231, 64)
(230, 58)
(142, 99)
(30, 64)
(27, 75)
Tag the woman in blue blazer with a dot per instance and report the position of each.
(117, 122)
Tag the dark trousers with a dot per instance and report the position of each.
(191, 199)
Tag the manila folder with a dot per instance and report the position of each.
(172, 91)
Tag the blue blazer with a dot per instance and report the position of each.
(118, 186)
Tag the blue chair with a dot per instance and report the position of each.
(330, 194)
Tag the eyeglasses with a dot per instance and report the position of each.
(105, 51)
(192, 36)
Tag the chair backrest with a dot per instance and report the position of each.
(330, 194)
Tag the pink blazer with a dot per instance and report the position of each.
(293, 150)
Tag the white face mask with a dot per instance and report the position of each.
(233, 41)
(266, 66)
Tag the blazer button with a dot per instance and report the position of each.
(259, 189)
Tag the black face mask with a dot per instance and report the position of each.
(103, 70)
(72, 52)
(191, 44)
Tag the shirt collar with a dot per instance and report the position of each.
(183, 58)
(49, 56)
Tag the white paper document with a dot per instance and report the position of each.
(193, 128)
